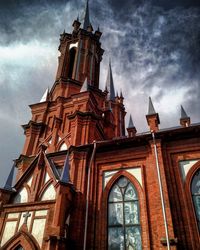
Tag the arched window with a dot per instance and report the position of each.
(72, 55)
(124, 230)
(195, 189)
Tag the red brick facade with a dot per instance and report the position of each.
(91, 130)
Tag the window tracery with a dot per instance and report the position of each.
(124, 231)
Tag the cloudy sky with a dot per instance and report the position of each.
(154, 46)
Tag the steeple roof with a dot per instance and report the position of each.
(110, 84)
(151, 110)
(9, 181)
(65, 177)
(183, 113)
(86, 21)
(131, 125)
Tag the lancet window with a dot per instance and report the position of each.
(195, 190)
(124, 230)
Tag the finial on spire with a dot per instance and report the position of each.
(110, 83)
(65, 177)
(185, 119)
(131, 125)
(86, 21)
(151, 110)
(9, 181)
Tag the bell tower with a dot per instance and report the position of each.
(75, 111)
(80, 57)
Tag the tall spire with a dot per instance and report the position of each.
(131, 125)
(86, 21)
(9, 181)
(65, 177)
(151, 110)
(110, 84)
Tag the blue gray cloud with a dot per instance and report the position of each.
(154, 46)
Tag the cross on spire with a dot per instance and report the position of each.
(26, 216)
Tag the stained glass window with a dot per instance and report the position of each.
(124, 231)
(195, 189)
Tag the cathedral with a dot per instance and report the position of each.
(84, 181)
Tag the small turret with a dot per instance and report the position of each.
(185, 119)
(152, 117)
(131, 128)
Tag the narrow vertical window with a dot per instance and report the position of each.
(124, 231)
(72, 54)
(195, 190)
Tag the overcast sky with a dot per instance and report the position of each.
(154, 46)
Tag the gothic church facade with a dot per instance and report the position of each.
(83, 184)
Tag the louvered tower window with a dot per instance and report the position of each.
(124, 231)
(195, 189)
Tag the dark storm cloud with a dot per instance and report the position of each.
(154, 46)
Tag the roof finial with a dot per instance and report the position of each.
(110, 83)
(86, 21)
(9, 181)
(65, 177)
(151, 110)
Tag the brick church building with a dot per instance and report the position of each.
(82, 183)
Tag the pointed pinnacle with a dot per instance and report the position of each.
(131, 125)
(110, 84)
(65, 177)
(183, 113)
(151, 110)
(8, 185)
(121, 94)
(86, 22)
(84, 86)
(45, 96)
